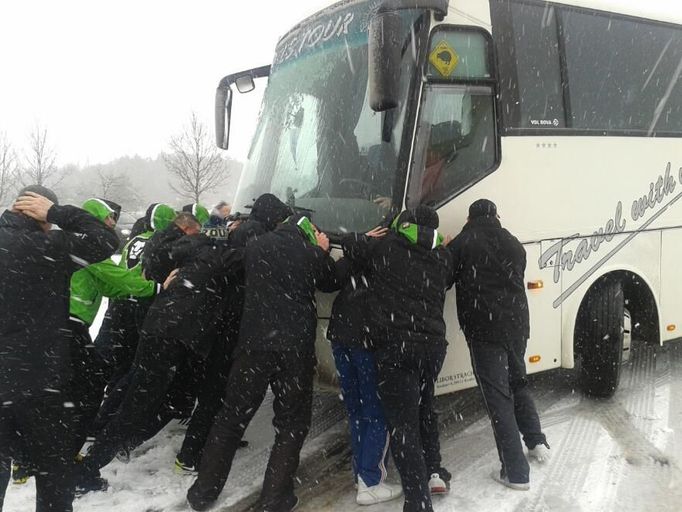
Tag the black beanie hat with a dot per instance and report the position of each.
(269, 210)
(115, 207)
(41, 191)
(422, 215)
(482, 208)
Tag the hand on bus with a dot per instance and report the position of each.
(377, 233)
(384, 202)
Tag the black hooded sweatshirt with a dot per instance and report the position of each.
(282, 271)
(189, 309)
(489, 268)
(407, 285)
(35, 277)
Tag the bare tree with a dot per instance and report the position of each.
(40, 168)
(194, 161)
(110, 183)
(9, 168)
(116, 186)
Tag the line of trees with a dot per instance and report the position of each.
(190, 169)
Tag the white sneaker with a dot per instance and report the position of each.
(512, 485)
(437, 485)
(540, 453)
(377, 493)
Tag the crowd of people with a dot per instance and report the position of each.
(207, 311)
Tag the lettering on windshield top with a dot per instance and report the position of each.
(565, 260)
(310, 37)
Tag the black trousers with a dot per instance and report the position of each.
(290, 376)
(40, 430)
(88, 379)
(407, 375)
(4, 478)
(500, 371)
(119, 336)
(210, 400)
(156, 363)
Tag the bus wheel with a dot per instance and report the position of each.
(602, 343)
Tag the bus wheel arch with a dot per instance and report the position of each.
(612, 304)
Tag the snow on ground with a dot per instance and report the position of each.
(623, 454)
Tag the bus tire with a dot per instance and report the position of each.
(602, 343)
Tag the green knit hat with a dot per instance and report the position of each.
(161, 216)
(199, 211)
(101, 209)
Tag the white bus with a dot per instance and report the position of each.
(567, 114)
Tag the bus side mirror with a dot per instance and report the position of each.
(223, 111)
(245, 84)
(384, 60)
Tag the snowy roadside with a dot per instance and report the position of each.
(620, 455)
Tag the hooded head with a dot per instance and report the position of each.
(200, 212)
(269, 210)
(102, 209)
(482, 208)
(422, 215)
(159, 216)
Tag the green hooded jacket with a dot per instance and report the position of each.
(104, 279)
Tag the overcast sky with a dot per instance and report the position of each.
(115, 78)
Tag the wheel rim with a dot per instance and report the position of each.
(627, 335)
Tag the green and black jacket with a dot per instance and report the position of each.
(105, 279)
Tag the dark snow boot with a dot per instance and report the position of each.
(287, 505)
(87, 481)
(199, 502)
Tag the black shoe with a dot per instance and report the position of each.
(90, 484)
(88, 481)
(198, 502)
(287, 505)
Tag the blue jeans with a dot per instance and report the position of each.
(369, 436)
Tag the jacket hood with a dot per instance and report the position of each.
(159, 216)
(270, 211)
(200, 212)
(101, 208)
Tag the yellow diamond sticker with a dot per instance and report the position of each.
(444, 58)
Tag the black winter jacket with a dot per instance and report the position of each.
(35, 276)
(349, 324)
(282, 271)
(246, 231)
(491, 296)
(407, 284)
(157, 259)
(189, 310)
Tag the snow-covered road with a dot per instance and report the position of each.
(623, 454)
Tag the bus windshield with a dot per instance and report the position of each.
(318, 144)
